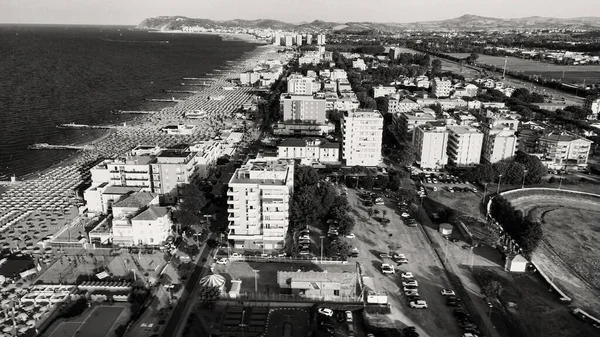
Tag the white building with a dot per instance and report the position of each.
(298, 40)
(309, 150)
(259, 197)
(464, 145)
(132, 171)
(288, 41)
(302, 85)
(362, 132)
(308, 39)
(152, 226)
(207, 153)
(441, 87)
(124, 210)
(430, 142)
(359, 64)
(339, 74)
(321, 39)
(499, 139)
(406, 122)
(381, 91)
(303, 108)
(404, 105)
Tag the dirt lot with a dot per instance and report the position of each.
(373, 238)
(570, 246)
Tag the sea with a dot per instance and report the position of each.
(50, 75)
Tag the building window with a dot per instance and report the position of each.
(336, 293)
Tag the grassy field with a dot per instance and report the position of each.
(590, 73)
(570, 250)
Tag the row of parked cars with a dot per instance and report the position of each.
(370, 198)
(468, 327)
(327, 320)
(406, 216)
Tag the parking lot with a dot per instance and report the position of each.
(374, 238)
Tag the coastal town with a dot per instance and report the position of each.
(323, 186)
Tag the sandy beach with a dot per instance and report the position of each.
(225, 36)
(34, 204)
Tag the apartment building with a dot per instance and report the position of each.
(303, 108)
(131, 171)
(308, 39)
(298, 40)
(302, 85)
(258, 199)
(128, 208)
(207, 153)
(288, 40)
(592, 104)
(406, 122)
(381, 91)
(359, 64)
(171, 170)
(321, 39)
(430, 142)
(499, 139)
(563, 150)
(404, 105)
(394, 53)
(362, 132)
(310, 150)
(441, 87)
(464, 145)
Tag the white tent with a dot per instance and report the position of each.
(213, 280)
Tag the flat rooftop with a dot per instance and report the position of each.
(463, 129)
(174, 153)
(363, 113)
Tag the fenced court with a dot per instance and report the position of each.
(98, 322)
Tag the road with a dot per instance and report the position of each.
(179, 315)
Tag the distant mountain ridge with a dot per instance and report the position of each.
(465, 22)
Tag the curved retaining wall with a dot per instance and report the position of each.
(563, 296)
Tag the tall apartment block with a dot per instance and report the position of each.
(321, 39)
(302, 85)
(309, 39)
(303, 108)
(464, 145)
(499, 139)
(441, 87)
(362, 132)
(170, 171)
(258, 200)
(298, 40)
(431, 145)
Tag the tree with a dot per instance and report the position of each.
(209, 296)
(188, 212)
(436, 67)
(535, 169)
(530, 236)
(407, 155)
(493, 289)
(473, 57)
(370, 212)
(382, 104)
(338, 248)
(191, 250)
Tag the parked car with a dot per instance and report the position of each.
(304, 237)
(384, 255)
(325, 311)
(413, 298)
(402, 261)
(420, 304)
(448, 292)
(222, 260)
(407, 275)
(387, 269)
(398, 256)
(351, 236)
(410, 283)
(409, 288)
(349, 316)
(411, 293)
(236, 255)
(304, 252)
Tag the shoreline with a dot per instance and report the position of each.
(80, 157)
(223, 35)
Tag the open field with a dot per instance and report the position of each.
(575, 73)
(98, 322)
(570, 250)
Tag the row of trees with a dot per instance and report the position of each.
(526, 232)
(513, 171)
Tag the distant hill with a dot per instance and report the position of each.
(465, 22)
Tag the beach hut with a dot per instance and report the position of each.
(517, 263)
(213, 280)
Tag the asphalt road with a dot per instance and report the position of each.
(180, 313)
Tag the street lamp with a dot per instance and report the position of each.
(321, 237)
(490, 319)
(524, 174)
(255, 280)
(484, 191)
(560, 181)
(446, 251)
(499, 181)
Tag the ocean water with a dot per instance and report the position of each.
(51, 75)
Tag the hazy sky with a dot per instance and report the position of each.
(130, 12)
